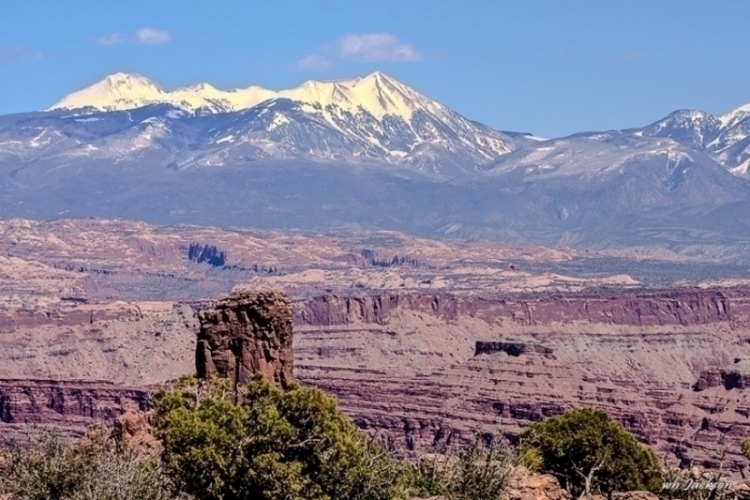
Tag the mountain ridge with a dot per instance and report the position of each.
(125, 91)
(362, 118)
(372, 153)
(725, 137)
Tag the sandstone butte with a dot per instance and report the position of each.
(672, 366)
(244, 334)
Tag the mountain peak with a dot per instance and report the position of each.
(376, 93)
(127, 79)
(377, 75)
(200, 87)
(383, 83)
(114, 92)
(735, 115)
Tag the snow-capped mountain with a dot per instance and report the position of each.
(735, 116)
(376, 94)
(695, 129)
(725, 138)
(126, 91)
(732, 146)
(372, 153)
(636, 172)
(373, 117)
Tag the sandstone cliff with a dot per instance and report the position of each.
(244, 334)
(71, 405)
(670, 365)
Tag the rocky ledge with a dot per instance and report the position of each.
(422, 366)
(511, 348)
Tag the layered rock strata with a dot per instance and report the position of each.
(429, 367)
(70, 405)
(128, 343)
(244, 334)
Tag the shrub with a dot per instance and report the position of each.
(92, 469)
(480, 470)
(276, 444)
(588, 451)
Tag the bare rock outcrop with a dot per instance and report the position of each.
(67, 402)
(646, 309)
(423, 367)
(134, 429)
(246, 333)
(536, 487)
(511, 348)
(71, 406)
(733, 376)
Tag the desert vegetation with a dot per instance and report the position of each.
(94, 468)
(588, 451)
(295, 444)
(276, 444)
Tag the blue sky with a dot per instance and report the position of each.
(541, 66)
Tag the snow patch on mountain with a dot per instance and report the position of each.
(126, 91)
(376, 94)
(742, 169)
(726, 138)
(733, 117)
(373, 116)
(119, 91)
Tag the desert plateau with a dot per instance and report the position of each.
(374, 250)
(419, 338)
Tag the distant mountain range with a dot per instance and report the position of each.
(374, 117)
(372, 153)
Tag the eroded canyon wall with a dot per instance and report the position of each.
(672, 366)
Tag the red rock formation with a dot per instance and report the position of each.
(654, 308)
(669, 365)
(411, 364)
(247, 333)
(71, 406)
(535, 487)
(28, 401)
(132, 344)
(134, 429)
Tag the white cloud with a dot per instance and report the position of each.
(111, 39)
(314, 62)
(372, 47)
(151, 36)
(365, 47)
(146, 35)
(18, 54)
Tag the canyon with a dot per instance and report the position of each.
(672, 366)
(423, 341)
